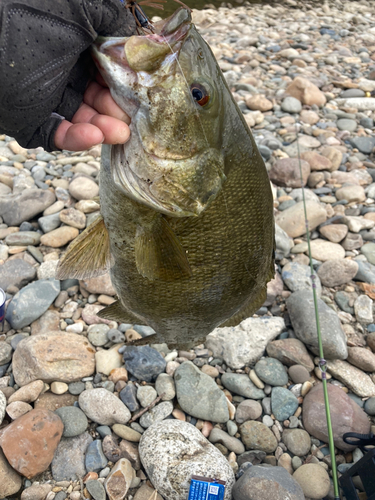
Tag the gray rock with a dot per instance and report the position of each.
(144, 362)
(296, 276)
(297, 441)
(369, 251)
(198, 395)
(96, 490)
(283, 402)
(5, 353)
(302, 315)
(291, 105)
(363, 309)
(283, 243)
(172, 451)
(49, 222)
(260, 483)
(74, 420)
(337, 272)
(31, 302)
(369, 406)
(23, 238)
(17, 208)
(103, 407)
(346, 124)
(95, 459)
(242, 385)
(156, 414)
(366, 272)
(244, 344)
(232, 443)
(128, 396)
(165, 385)
(364, 144)
(17, 273)
(255, 457)
(271, 371)
(69, 459)
(146, 395)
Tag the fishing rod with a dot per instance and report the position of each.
(322, 361)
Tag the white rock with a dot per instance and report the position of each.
(363, 309)
(172, 451)
(103, 407)
(354, 378)
(244, 344)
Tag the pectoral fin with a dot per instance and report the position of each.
(116, 312)
(159, 254)
(88, 255)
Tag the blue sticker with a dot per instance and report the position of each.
(206, 488)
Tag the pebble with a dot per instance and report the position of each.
(96, 490)
(242, 385)
(337, 272)
(271, 371)
(283, 403)
(126, 433)
(313, 479)
(248, 410)
(353, 378)
(69, 459)
(128, 396)
(144, 362)
(118, 481)
(95, 459)
(297, 441)
(83, 188)
(156, 414)
(257, 436)
(103, 407)
(165, 387)
(232, 443)
(74, 420)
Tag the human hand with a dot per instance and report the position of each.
(98, 120)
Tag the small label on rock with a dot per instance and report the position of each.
(206, 488)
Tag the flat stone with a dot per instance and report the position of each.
(96, 490)
(29, 443)
(244, 344)
(290, 352)
(286, 172)
(261, 483)
(363, 309)
(337, 272)
(326, 250)
(99, 285)
(353, 378)
(23, 238)
(59, 237)
(283, 402)
(74, 420)
(292, 220)
(65, 357)
(297, 441)
(346, 415)
(10, 481)
(83, 188)
(16, 273)
(302, 314)
(49, 401)
(31, 302)
(248, 410)
(17, 208)
(297, 277)
(28, 393)
(299, 374)
(271, 371)
(103, 407)
(242, 385)
(361, 358)
(156, 414)
(334, 232)
(146, 395)
(351, 194)
(126, 433)
(144, 362)
(17, 409)
(198, 395)
(314, 480)
(73, 217)
(69, 459)
(180, 443)
(257, 436)
(49, 222)
(36, 492)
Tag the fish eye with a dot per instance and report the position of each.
(200, 54)
(199, 93)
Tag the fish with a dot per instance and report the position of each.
(186, 224)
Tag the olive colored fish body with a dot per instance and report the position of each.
(186, 202)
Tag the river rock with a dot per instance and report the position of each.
(363, 309)
(292, 220)
(31, 302)
(257, 436)
(346, 415)
(181, 444)
(314, 480)
(16, 273)
(10, 481)
(297, 441)
(17, 208)
(156, 414)
(69, 459)
(29, 442)
(28, 393)
(297, 277)
(283, 403)
(290, 352)
(118, 481)
(232, 443)
(302, 314)
(337, 272)
(362, 358)
(103, 407)
(198, 395)
(59, 237)
(286, 172)
(244, 344)
(353, 378)
(242, 385)
(261, 483)
(144, 362)
(74, 420)
(271, 372)
(83, 188)
(59, 356)
(326, 250)
(73, 217)
(248, 410)
(99, 285)
(306, 92)
(334, 232)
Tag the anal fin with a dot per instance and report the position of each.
(158, 252)
(88, 255)
(116, 312)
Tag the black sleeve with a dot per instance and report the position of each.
(44, 62)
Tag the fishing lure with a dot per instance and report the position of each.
(144, 24)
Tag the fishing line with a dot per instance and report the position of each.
(322, 361)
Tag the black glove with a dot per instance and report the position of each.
(44, 64)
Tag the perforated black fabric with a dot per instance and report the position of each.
(44, 64)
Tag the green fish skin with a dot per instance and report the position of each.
(186, 202)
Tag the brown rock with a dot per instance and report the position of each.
(17, 409)
(339, 177)
(337, 272)
(99, 285)
(316, 161)
(362, 358)
(353, 378)
(299, 374)
(309, 117)
(130, 451)
(64, 357)
(29, 443)
(290, 352)
(83, 188)
(10, 481)
(59, 237)
(334, 232)
(119, 480)
(297, 441)
(145, 492)
(36, 492)
(89, 314)
(274, 289)
(292, 220)
(248, 410)
(315, 178)
(73, 217)
(257, 436)
(346, 415)
(306, 92)
(334, 155)
(286, 172)
(258, 102)
(47, 323)
(28, 393)
(314, 481)
(351, 193)
(371, 341)
(49, 401)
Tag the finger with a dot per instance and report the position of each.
(115, 131)
(77, 137)
(84, 114)
(101, 80)
(101, 100)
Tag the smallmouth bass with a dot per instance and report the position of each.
(186, 224)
